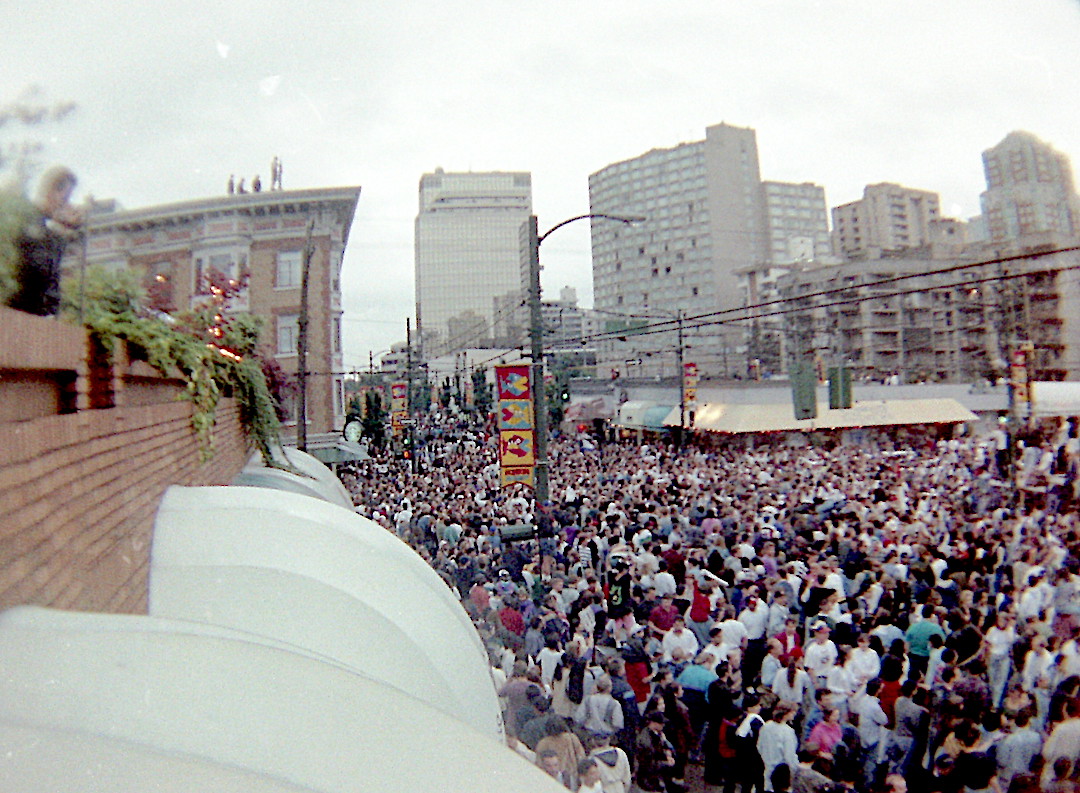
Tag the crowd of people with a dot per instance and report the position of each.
(871, 613)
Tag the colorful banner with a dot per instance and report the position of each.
(512, 382)
(399, 406)
(690, 381)
(517, 425)
(522, 475)
(516, 414)
(1018, 374)
(516, 448)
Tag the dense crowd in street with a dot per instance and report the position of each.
(882, 615)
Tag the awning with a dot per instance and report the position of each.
(587, 410)
(642, 415)
(1056, 399)
(309, 476)
(322, 578)
(729, 418)
(340, 451)
(98, 703)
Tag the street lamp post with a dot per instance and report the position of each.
(536, 338)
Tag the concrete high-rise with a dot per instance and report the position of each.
(798, 222)
(706, 219)
(888, 217)
(1029, 189)
(467, 254)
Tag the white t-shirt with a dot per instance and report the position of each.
(818, 657)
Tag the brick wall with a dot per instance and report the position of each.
(79, 490)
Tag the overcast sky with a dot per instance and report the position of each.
(174, 96)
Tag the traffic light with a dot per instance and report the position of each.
(839, 387)
(803, 389)
(564, 395)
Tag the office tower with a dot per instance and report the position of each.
(888, 217)
(1029, 189)
(467, 255)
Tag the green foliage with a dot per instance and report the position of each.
(215, 352)
(16, 213)
(374, 421)
(481, 392)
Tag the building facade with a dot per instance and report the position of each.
(467, 255)
(705, 219)
(930, 315)
(887, 218)
(798, 222)
(1029, 189)
(257, 236)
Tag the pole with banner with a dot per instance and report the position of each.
(516, 425)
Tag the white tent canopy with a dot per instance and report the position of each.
(314, 478)
(1056, 399)
(732, 418)
(322, 578)
(96, 703)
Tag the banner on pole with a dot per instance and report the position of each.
(517, 425)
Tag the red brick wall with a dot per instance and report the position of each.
(79, 491)
(79, 495)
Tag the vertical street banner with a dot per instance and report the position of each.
(399, 406)
(690, 381)
(517, 425)
(1019, 379)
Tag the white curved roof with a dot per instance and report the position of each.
(317, 480)
(323, 579)
(92, 702)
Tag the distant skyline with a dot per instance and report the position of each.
(171, 100)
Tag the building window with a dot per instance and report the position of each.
(337, 333)
(288, 333)
(224, 268)
(290, 405)
(287, 275)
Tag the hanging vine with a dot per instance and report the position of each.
(214, 349)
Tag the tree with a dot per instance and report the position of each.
(374, 421)
(481, 392)
(29, 109)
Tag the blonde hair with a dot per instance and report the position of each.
(52, 179)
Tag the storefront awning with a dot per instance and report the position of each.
(1056, 399)
(730, 418)
(643, 415)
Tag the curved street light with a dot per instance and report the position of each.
(536, 336)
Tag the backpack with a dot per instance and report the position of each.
(575, 684)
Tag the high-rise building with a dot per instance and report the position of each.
(1029, 189)
(705, 219)
(888, 217)
(467, 255)
(174, 247)
(798, 222)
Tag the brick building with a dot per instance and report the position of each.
(175, 246)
